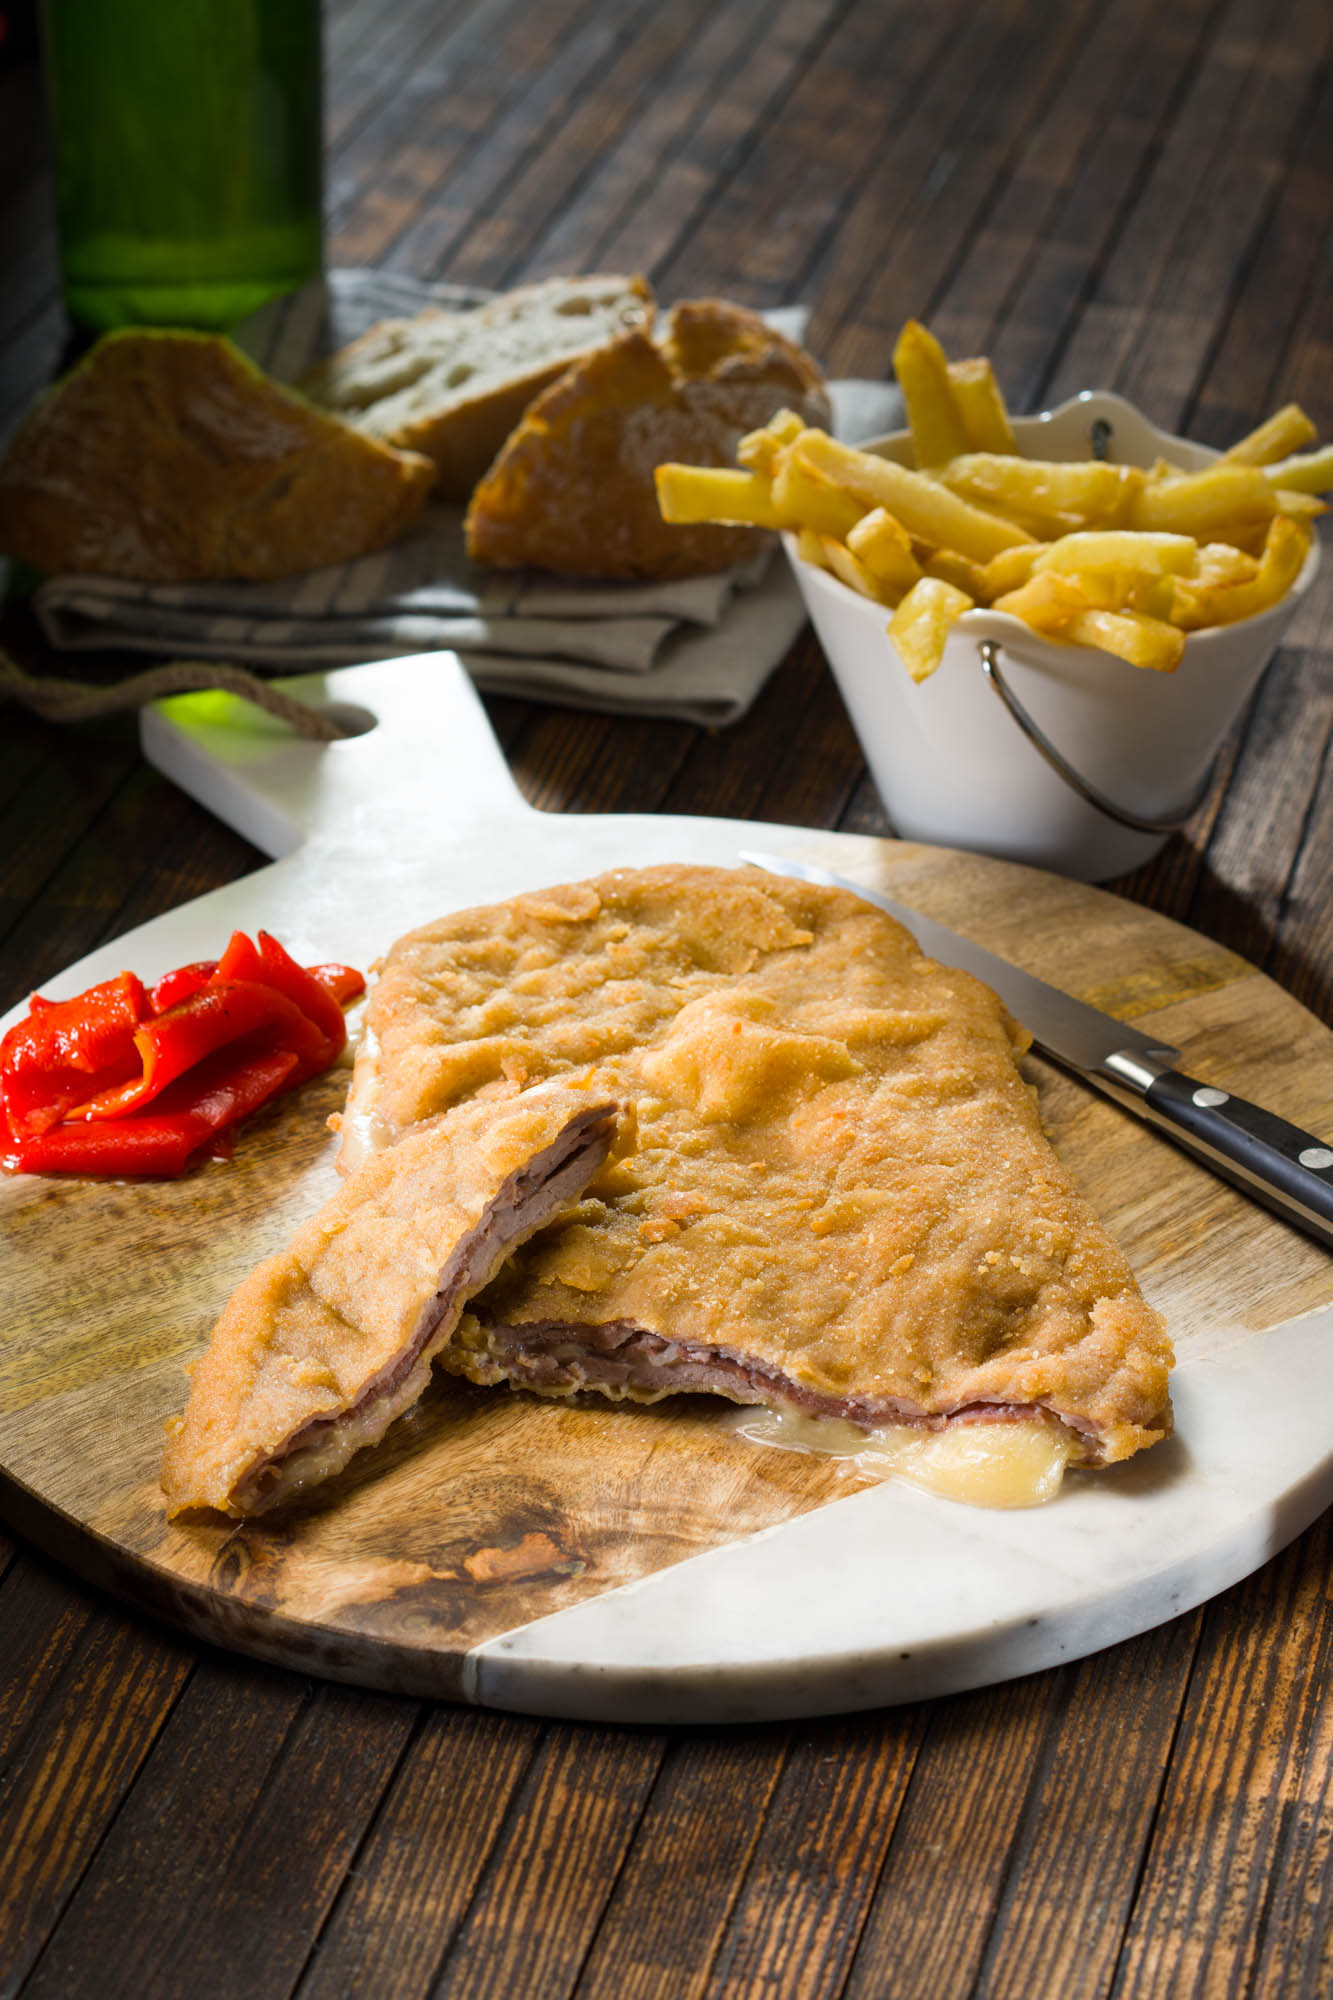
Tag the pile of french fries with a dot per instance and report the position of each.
(1118, 557)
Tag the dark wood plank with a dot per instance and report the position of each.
(444, 174)
(425, 128)
(109, 1690)
(281, 1780)
(1017, 75)
(417, 1871)
(654, 231)
(365, 64)
(1074, 1866)
(628, 172)
(728, 772)
(135, 846)
(1109, 180)
(797, 1921)
(1226, 224)
(1065, 126)
(1241, 897)
(541, 1897)
(560, 148)
(1250, 1721)
(42, 1618)
(1287, 280)
(759, 235)
(676, 1892)
(1201, 148)
(935, 1901)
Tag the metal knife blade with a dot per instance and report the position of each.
(1287, 1169)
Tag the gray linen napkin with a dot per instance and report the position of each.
(698, 650)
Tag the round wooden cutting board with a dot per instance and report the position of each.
(620, 1562)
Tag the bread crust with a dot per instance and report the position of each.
(167, 457)
(572, 491)
(376, 379)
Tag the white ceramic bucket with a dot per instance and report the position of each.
(955, 768)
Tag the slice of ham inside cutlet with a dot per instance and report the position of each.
(840, 1202)
(327, 1342)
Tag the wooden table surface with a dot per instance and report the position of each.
(1111, 193)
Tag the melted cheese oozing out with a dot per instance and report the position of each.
(1019, 1463)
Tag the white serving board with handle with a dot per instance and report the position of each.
(722, 1585)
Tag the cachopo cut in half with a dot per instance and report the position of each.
(830, 1194)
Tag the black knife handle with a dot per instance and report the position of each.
(1286, 1167)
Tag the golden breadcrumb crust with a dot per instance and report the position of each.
(311, 1333)
(839, 1170)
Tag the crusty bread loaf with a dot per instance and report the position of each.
(454, 384)
(168, 457)
(573, 491)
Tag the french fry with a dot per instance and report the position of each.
(926, 509)
(1143, 641)
(760, 450)
(810, 548)
(885, 547)
(1110, 548)
(1011, 568)
(1048, 602)
(1301, 506)
(839, 560)
(688, 493)
(1205, 504)
(1285, 431)
(1087, 492)
(966, 576)
(919, 627)
(801, 499)
(1219, 562)
(1154, 596)
(932, 415)
(981, 406)
(1285, 548)
(1307, 472)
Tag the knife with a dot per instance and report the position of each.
(1288, 1170)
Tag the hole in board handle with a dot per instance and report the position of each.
(349, 718)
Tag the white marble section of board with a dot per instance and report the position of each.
(861, 1602)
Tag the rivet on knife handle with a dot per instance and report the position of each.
(1284, 1165)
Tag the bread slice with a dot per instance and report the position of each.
(453, 384)
(169, 457)
(572, 491)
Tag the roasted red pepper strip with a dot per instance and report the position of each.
(220, 1013)
(176, 986)
(195, 1110)
(50, 1060)
(119, 1081)
(344, 982)
(241, 959)
(280, 970)
(273, 966)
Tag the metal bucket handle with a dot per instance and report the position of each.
(989, 652)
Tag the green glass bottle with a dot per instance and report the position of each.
(188, 145)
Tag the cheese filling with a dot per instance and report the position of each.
(1019, 1462)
